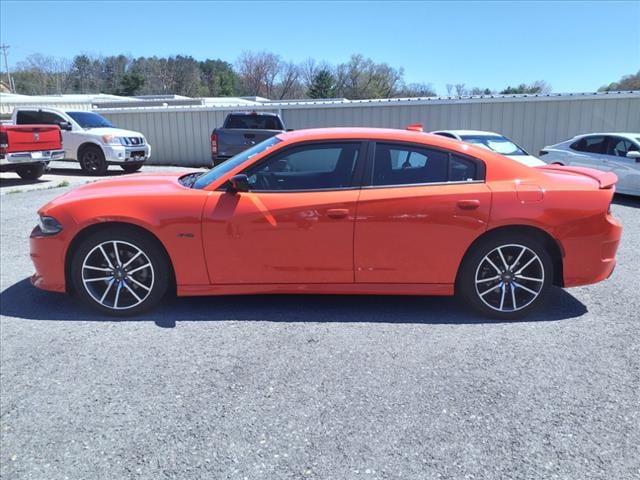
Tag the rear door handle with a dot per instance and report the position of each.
(468, 204)
(337, 212)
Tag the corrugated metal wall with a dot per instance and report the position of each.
(180, 136)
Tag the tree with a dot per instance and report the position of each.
(323, 85)
(539, 86)
(363, 78)
(627, 82)
(417, 90)
(218, 79)
(460, 90)
(130, 84)
(258, 72)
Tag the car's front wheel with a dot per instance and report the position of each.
(92, 161)
(120, 271)
(506, 276)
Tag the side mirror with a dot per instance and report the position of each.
(634, 154)
(65, 126)
(239, 183)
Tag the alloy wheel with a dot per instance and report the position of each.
(118, 275)
(509, 278)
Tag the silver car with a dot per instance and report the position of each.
(610, 152)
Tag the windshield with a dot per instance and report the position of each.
(495, 143)
(90, 120)
(225, 167)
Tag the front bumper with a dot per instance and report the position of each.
(19, 158)
(48, 257)
(120, 154)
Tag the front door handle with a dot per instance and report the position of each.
(337, 212)
(468, 204)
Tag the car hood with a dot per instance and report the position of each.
(528, 160)
(134, 186)
(116, 132)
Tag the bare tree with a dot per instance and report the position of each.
(460, 91)
(449, 88)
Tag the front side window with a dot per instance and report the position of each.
(308, 167)
(90, 120)
(409, 165)
(595, 144)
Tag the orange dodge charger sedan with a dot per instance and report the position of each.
(335, 211)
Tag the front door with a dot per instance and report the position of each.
(296, 223)
(415, 221)
(627, 169)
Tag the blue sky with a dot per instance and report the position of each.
(574, 46)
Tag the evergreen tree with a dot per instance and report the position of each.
(323, 85)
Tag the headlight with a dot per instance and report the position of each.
(49, 225)
(111, 140)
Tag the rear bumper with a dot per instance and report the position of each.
(591, 259)
(21, 158)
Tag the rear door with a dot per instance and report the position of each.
(296, 223)
(419, 213)
(590, 152)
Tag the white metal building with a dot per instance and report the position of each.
(179, 129)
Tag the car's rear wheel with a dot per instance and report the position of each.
(131, 167)
(506, 276)
(120, 271)
(31, 172)
(92, 161)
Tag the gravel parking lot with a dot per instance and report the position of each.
(325, 387)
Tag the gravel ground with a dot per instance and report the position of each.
(294, 387)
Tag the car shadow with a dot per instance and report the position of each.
(22, 300)
(626, 200)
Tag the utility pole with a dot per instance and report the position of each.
(12, 87)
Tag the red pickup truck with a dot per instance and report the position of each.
(28, 149)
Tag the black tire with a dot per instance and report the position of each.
(131, 167)
(497, 298)
(92, 160)
(31, 172)
(125, 295)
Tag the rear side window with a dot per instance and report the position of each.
(26, 117)
(258, 122)
(619, 147)
(409, 165)
(595, 144)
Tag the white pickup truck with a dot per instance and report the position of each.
(90, 139)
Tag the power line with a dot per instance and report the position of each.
(12, 87)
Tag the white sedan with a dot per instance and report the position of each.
(611, 152)
(494, 142)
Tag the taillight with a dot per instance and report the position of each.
(214, 144)
(60, 135)
(4, 141)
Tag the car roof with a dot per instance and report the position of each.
(355, 133)
(618, 134)
(469, 132)
(253, 112)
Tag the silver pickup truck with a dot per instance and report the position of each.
(242, 130)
